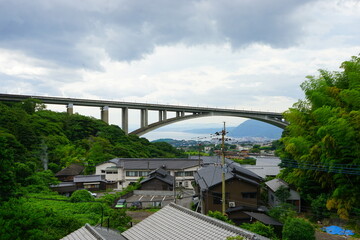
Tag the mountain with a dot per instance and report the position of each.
(247, 129)
(254, 128)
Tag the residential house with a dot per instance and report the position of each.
(90, 182)
(123, 171)
(242, 190)
(67, 174)
(158, 180)
(176, 222)
(273, 185)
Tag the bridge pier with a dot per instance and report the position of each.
(164, 115)
(144, 118)
(125, 120)
(105, 114)
(70, 109)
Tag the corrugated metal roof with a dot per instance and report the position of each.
(176, 222)
(263, 218)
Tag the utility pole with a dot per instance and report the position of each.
(223, 133)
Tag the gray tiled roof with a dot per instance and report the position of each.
(160, 174)
(276, 183)
(211, 175)
(72, 170)
(88, 232)
(176, 222)
(154, 163)
(263, 218)
(89, 178)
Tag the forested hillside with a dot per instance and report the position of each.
(321, 146)
(32, 138)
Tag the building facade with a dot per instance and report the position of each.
(124, 171)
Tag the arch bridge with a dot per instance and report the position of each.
(182, 112)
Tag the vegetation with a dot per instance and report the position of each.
(261, 229)
(249, 161)
(33, 139)
(298, 229)
(320, 148)
(220, 216)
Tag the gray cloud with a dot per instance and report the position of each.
(71, 33)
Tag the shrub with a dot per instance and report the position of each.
(81, 196)
(260, 228)
(298, 229)
(220, 216)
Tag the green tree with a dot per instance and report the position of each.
(282, 193)
(298, 229)
(322, 141)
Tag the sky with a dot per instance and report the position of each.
(242, 54)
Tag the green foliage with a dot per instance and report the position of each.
(324, 131)
(220, 216)
(318, 207)
(282, 212)
(298, 229)
(260, 228)
(81, 196)
(249, 161)
(282, 193)
(235, 238)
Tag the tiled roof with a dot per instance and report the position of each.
(72, 170)
(176, 222)
(154, 163)
(89, 178)
(275, 183)
(160, 174)
(211, 175)
(88, 232)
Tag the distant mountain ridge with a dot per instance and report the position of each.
(249, 128)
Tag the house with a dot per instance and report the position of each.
(242, 190)
(123, 171)
(158, 179)
(176, 222)
(273, 185)
(90, 182)
(68, 174)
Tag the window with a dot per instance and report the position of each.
(217, 198)
(132, 173)
(137, 173)
(189, 173)
(249, 194)
(179, 174)
(102, 171)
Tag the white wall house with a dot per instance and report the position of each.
(123, 171)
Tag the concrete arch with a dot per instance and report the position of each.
(271, 120)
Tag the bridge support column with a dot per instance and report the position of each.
(105, 114)
(160, 115)
(125, 120)
(182, 113)
(164, 114)
(70, 109)
(178, 114)
(144, 118)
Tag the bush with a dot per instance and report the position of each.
(260, 228)
(298, 229)
(81, 196)
(220, 216)
(282, 212)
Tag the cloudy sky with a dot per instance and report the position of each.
(245, 54)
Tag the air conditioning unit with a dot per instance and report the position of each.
(231, 204)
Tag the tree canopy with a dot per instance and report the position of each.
(321, 146)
